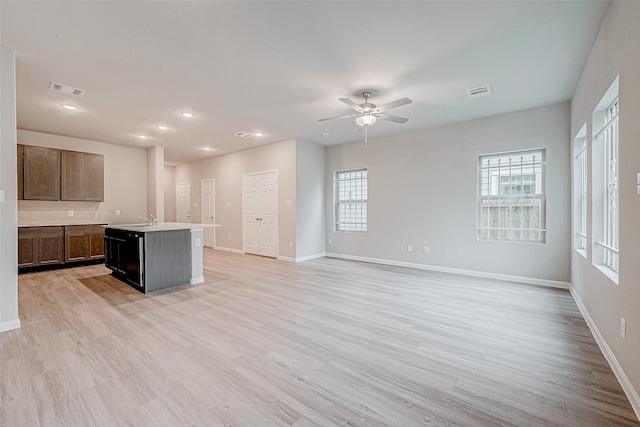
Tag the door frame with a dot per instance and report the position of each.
(213, 229)
(277, 207)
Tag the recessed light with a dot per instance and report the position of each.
(162, 127)
(69, 107)
(206, 148)
(325, 135)
(143, 136)
(186, 114)
(258, 134)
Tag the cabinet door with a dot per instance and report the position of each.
(73, 172)
(95, 244)
(40, 246)
(94, 177)
(74, 244)
(26, 249)
(50, 246)
(83, 242)
(82, 176)
(114, 248)
(41, 173)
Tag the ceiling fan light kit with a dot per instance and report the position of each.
(366, 120)
(368, 113)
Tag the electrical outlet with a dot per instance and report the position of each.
(228, 204)
(409, 248)
(229, 237)
(198, 242)
(290, 244)
(117, 212)
(623, 328)
(425, 250)
(330, 240)
(69, 213)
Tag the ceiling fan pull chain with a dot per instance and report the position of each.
(365, 136)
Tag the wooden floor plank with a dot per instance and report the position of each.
(321, 343)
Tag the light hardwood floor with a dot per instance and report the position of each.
(322, 343)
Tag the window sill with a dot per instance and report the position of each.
(608, 272)
(582, 252)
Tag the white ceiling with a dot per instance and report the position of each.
(278, 67)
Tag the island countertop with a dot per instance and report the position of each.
(162, 226)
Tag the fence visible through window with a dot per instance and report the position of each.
(511, 202)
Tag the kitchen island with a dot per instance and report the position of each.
(154, 257)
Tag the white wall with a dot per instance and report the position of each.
(155, 183)
(227, 171)
(8, 184)
(170, 194)
(310, 202)
(125, 184)
(616, 51)
(423, 192)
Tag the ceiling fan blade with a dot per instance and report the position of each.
(351, 104)
(390, 118)
(397, 103)
(338, 117)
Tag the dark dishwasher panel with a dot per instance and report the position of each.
(124, 255)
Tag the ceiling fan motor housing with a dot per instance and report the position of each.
(367, 107)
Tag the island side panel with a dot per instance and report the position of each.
(197, 242)
(167, 259)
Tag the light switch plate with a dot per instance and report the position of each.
(69, 213)
(1, 196)
(638, 178)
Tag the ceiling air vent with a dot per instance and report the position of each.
(242, 134)
(66, 89)
(479, 91)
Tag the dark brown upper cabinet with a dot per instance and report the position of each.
(52, 174)
(82, 176)
(41, 173)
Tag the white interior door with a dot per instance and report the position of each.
(260, 211)
(208, 210)
(183, 202)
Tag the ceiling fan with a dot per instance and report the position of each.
(367, 113)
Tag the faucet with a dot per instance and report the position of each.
(152, 221)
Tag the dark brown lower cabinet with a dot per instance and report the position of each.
(40, 246)
(83, 242)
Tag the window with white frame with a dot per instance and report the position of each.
(580, 191)
(511, 196)
(606, 225)
(351, 195)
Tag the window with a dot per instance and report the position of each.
(580, 191)
(351, 200)
(606, 231)
(511, 202)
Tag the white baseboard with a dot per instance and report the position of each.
(302, 259)
(11, 324)
(223, 249)
(310, 257)
(197, 280)
(519, 279)
(623, 379)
